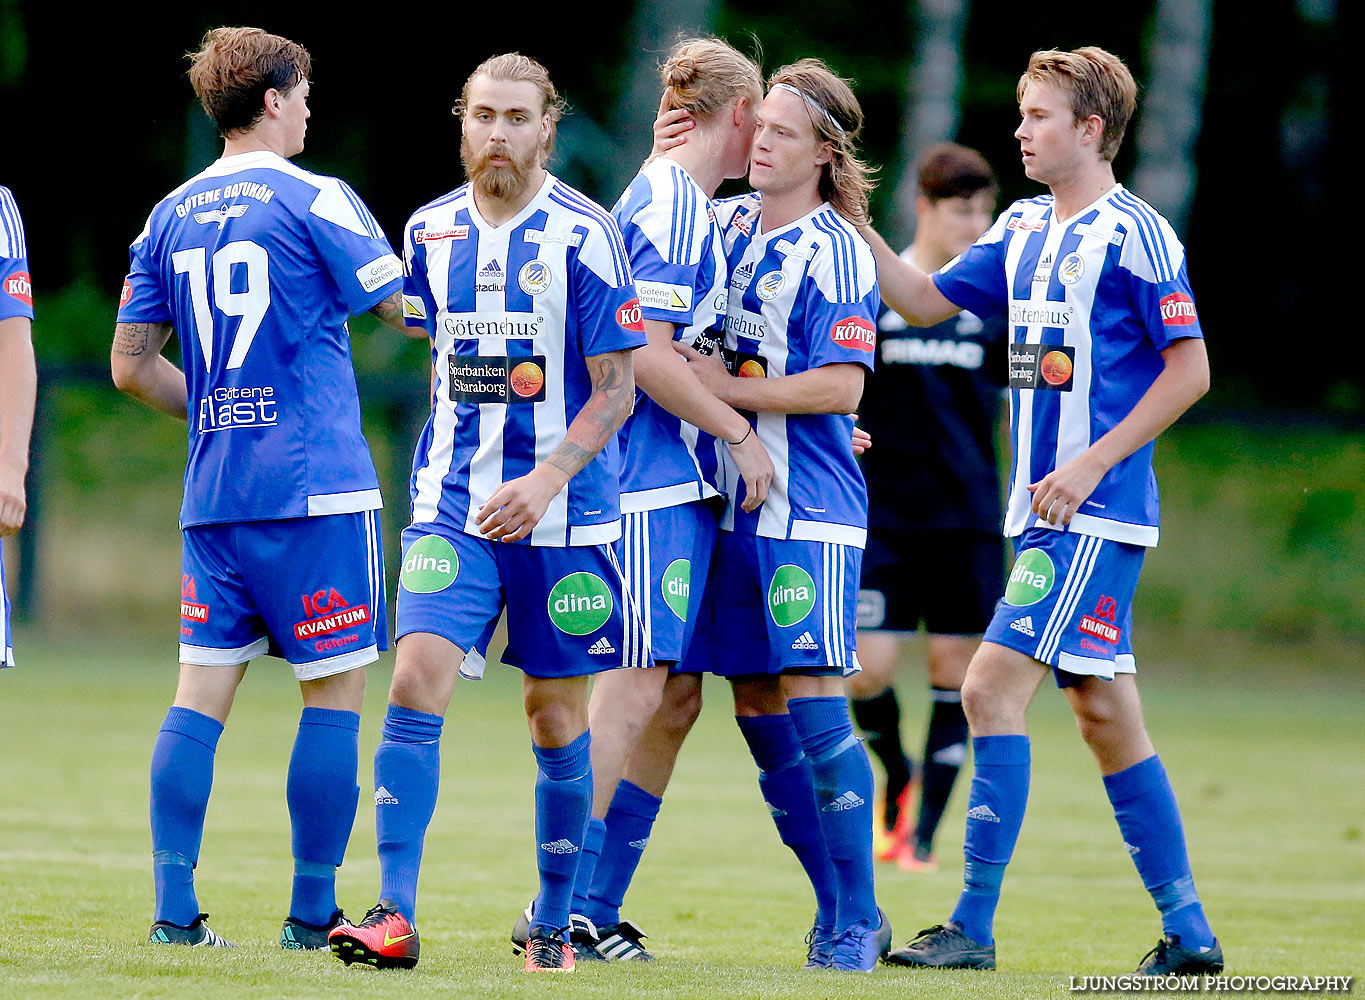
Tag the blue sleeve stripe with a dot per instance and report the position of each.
(570, 198)
(13, 225)
(842, 246)
(564, 195)
(674, 219)
(838, 270)
(1152, 239)
(368, 220)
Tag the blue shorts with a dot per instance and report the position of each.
(6, 643)
(309, 589)
(567, 611)
(1069, 603)
(661, 553)
(776, 606)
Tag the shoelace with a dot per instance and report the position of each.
(545, 952)
(376, 915)
(1159, 951)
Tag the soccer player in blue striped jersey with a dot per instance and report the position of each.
(1106, 351)
(782, 593)
(258, 264)
(18, 387)
(670, 460)
(524, 288)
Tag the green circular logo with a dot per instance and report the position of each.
(430, 565)
(579, 604)
(677, 586)
(1031, 579)
(791, 595)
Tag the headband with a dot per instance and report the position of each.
(814, 105)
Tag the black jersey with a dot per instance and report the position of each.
(932, 407)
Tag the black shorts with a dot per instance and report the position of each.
(949, 581)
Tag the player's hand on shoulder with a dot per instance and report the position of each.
(517, 506)
(709, 369)
(670, 128)
(1059, 494)
(756, 467)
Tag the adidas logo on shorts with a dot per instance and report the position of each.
(1131, 849)
(983, 812)
(805, 641)
(602, 646)
(1024, 625)
(640, 844)
(776, 812)
(848, 800)
(560, 847)
(384, 797)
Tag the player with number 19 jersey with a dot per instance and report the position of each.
(257, 264)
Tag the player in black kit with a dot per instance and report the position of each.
(934, 550)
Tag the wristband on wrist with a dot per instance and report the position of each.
(736, 444)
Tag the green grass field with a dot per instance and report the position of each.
(1267, 760)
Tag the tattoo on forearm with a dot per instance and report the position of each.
(132, 339)
(390, 311)
(613, 382)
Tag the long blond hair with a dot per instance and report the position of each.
(846, 181)
(703, 75)
(519, 68)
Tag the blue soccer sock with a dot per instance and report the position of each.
(407, 777)
(788, 787)
(628, 824)
(182, 776)
(995, 814)
(587, 863)
(843, 793)
(1149, 819)
(563, 801)
(322, 795)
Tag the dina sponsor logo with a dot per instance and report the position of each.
(430, 565)
(1031, 578)
(579, 604)
(791, 595)
(677, 586)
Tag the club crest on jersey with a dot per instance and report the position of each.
(433, 235)
(855, 332)
(534, 277)
(1177, 309)
(19, 286)
(629, 316)
(770, 285)
(220, 215)
(1071, 269)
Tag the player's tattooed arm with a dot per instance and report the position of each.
(613, 396)
(139, 369)
(517, 506)
(389, 311)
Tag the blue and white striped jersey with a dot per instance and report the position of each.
(678, 258)
(513, 311)
(1092, 302)
(801, 296)
(16, 287)
(258, 264)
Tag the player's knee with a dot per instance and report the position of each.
(1100, 721)
(555, 723)
(680, 708)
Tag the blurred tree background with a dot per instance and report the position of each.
(1237, 139)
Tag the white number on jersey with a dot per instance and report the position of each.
(251, 305)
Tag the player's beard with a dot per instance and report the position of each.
(502, 182)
